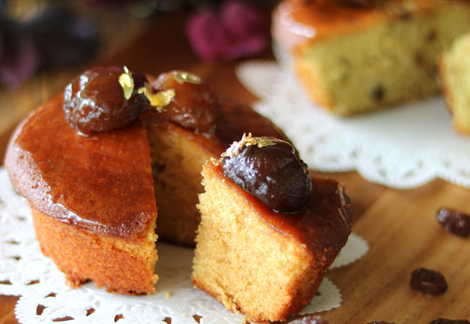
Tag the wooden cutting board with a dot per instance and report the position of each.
(400, 225)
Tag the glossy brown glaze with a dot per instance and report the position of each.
(323, 226)
(101, 183)
(307, 21)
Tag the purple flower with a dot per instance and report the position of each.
(236, 30)
(18, 56)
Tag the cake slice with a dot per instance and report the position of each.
(454, 71)
(263, 263)
(352, 59)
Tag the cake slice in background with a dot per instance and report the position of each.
(352, 59)
(454, 70)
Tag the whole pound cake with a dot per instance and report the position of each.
(85, 163)
(356, 56)
(269, 231)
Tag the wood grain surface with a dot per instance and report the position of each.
(400, 225)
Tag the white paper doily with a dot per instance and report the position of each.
(401, 147)
(25, 272)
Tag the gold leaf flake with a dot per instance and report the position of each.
(247, 140)
(159, 99)
(127, 83)
(182, 77)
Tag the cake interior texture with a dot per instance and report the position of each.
(247, 264)
(390, 62)
(177, 158)
(454, 70)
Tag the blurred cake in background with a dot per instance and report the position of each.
(454, 70)
(357, 56)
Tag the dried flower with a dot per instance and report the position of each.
(236, 30)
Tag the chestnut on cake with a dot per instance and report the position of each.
(356, 56)
(269, 231)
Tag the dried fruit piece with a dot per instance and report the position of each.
(269, 169)
(428, 281)
(193, 104)
(100, 100)
(449, 321)
(453, 221)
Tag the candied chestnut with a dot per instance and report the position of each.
(99, 100)
(428, 281)
(453, 221)
(448, 321)
(194, 104)
(269, 169)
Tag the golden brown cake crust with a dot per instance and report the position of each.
(120, 266)
(101, 183)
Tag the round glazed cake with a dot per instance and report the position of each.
(115, 163)
(92, 195)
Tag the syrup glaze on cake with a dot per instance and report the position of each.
(100, 183)
(300, 22)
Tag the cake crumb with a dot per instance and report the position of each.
(168, 294)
